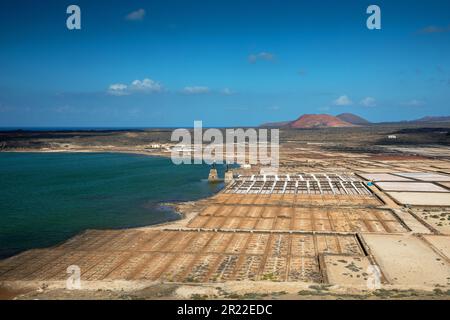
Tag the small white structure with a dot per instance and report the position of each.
(229, 176)
(392, 136)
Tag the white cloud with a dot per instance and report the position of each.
(137, 86)
(343, 101)
(227, 91)
(195, 90)
(118, 89)
(137, 15)
(368, 102)
(146, 85)
(413, 103)
(267, 56)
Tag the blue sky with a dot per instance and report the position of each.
(228, 63)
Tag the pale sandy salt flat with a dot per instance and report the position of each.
(408, 260)
(441, 243)
(382, 177)
(378, 170)
(421, 198)
(345, 270)
(437, 218)
(424, 176)
(411, 186)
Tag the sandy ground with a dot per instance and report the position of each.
(354, 271)
(407, 260)
(231, 290)
(436, 218)
(440, 243)
(419, 199)
(410, 186)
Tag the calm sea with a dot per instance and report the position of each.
(48, 197)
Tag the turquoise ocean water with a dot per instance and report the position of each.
(48, 197)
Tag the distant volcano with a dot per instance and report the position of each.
(318, 121)
(433, 119)
(308, 121)
(353, 119)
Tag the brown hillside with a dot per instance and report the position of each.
(318, 121)
(353, 119)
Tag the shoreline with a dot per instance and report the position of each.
(176, 207)
(131, 152)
